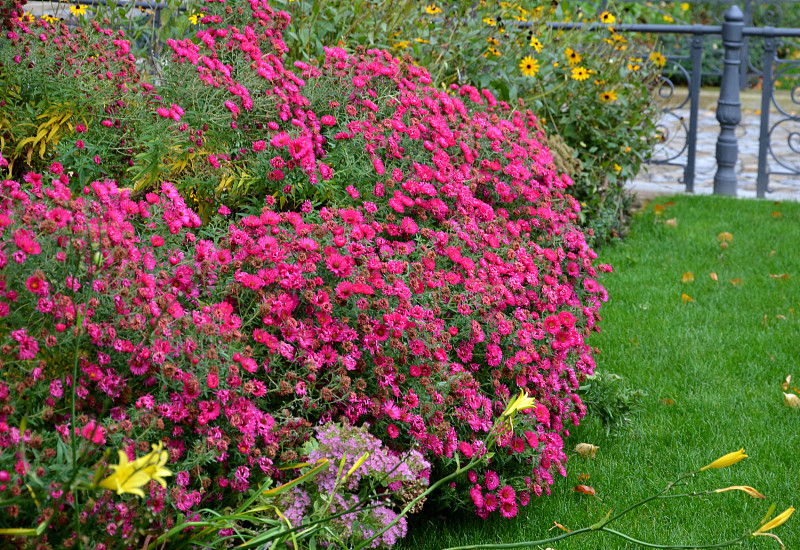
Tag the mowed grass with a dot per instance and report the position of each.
(713, 369)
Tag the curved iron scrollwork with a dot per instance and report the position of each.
(784, 134)
(673, 123)
(767, 13)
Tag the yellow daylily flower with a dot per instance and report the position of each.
(521, 403)
(749, 490)
(130, 477)
(727, 460)
(780, 519)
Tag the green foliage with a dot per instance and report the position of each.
(611, 400)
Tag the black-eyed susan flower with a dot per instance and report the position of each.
(195, 18)
(607, 18)
(608, 96)
(490, 21)
(658, 59)
(529, 66)
(579, 73)
(401, 45)
(536, 45)
(79, 10)
(573, 57)
(432, 9)
(634, 64)
(685, 6)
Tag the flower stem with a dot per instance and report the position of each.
(526, 544)
(671, 546)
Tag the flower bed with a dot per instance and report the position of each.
(413, 263)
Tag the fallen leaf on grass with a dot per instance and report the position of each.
(777, 214)
(686, 298)
(560, 527)
(586, 450)
(782, 277)
(713, 277)
(668, 402)
(583, 477)
(725, 237)
(586, 489)
(669, 203)
(780, 317)
(790, 399)
(771, 252)
(688, 277)
(737, 281)
(787, 383)
(658, 209)
(672, 222)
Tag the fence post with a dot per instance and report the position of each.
(767, 89)
(729, 106)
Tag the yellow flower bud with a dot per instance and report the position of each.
(749, 490)
(780, 519)
(727, 460)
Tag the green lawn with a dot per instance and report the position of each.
(713, 370)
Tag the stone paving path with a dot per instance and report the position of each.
(655, 180)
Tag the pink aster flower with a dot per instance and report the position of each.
(492, 480)
(37, 286)
(508, 509)
(94, 433)
(28, 347)
(477, 496)
(552, 324)
(507, 494)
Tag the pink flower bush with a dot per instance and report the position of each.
(415, 263)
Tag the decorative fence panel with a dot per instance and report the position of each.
(744, 47)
